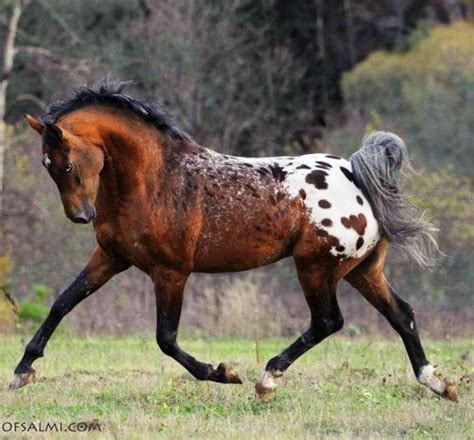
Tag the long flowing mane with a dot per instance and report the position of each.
(110, 93)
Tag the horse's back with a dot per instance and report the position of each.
(258, 210)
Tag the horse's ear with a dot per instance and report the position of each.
(35, 124)
(53, 132)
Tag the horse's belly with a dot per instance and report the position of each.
(220, 262)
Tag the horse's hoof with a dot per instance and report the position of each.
(263, 393)
(228, 374)
(20, 380)
(266, 388)
(450, 391)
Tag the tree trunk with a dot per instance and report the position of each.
(7, 64)
(321, 54)
(350, 30)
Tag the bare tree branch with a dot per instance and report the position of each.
(35, 50)
(60, 20)
(30, 97)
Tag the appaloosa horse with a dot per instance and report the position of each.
(161, 202)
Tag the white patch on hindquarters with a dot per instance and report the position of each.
(337, 198)
(428, 378)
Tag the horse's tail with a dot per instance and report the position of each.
(377, 166)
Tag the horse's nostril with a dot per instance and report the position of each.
(80, 218)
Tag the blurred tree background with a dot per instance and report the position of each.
(247, 77)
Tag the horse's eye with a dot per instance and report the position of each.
(68, 168)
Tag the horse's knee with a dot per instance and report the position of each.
(327, 326)
(166, 343)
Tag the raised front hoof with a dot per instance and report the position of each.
(450, 391)
(22, 379)
(225, 374)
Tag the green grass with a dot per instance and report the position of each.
(343, 388)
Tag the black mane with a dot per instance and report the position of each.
(109, 93)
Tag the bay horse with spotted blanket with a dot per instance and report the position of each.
(168, 206)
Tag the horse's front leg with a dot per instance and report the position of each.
(169, 288)
(98, 271)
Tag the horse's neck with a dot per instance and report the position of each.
(141, 162)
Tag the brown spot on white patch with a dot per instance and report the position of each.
(317, 178)
(323, 164)
(302, 193)
(278, 173)
(359, 200)
(331, 156)
(358, 223)
(322, 233)
(360, 243)
(303, 167)
(340, 248)
(327, 222)
(324, 204)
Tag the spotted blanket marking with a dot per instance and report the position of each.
(335, 204)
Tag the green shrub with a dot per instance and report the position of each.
(31, 311)
(425, 93)
(36, 310)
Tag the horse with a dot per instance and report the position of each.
(161, 202)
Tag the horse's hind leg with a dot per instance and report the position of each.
(169, 287)
(368, 278)
(320, 292)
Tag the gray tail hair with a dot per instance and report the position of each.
(377, 167)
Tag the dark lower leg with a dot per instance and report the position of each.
(402, 318)
(326, 318)
(400, 315)
(66, 301)
(319, 330)
(169, 296)
(97, 272)
(167, 342)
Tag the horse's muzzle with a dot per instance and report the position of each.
(85, 215)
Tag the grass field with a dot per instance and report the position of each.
(344, 388)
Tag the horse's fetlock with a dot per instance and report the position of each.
(204, 373)
(277, 363)
(33, 351)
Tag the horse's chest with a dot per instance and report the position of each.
(120, 241)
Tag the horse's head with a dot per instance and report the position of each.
(74, 164)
